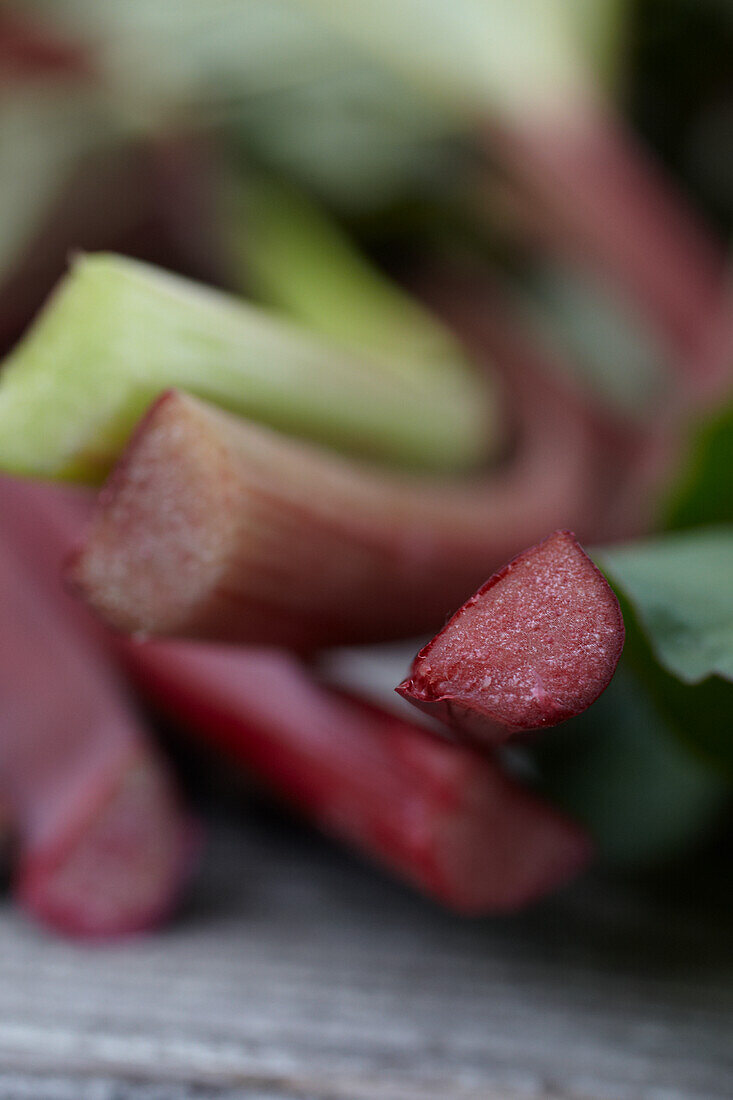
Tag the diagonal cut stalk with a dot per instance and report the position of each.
(438, 815)
(102, 844)
(213, 527)
(536, 645)
(117, 333)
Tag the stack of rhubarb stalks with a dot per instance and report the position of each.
(326, 455)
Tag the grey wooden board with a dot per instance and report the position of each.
(298, 973)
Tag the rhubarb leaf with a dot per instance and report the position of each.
(117, 333)
(703, 492)
(621, 771)
(681, 589)
(676, 592)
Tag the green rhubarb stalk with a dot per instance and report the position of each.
(116, 333)
(288, 252)
(292, 255)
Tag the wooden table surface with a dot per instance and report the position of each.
(296, 972)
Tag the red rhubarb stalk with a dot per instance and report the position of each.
(213, 527)
(102, 845)
(607, 204)
(537, 644)
(438, 815)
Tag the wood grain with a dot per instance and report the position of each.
(298, 974)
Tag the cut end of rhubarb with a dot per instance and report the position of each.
(537, 644)
(150, 559)
(123, 869)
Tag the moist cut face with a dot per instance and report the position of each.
(535, 645)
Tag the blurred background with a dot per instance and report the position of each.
(543, 186)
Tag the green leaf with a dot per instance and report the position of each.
(676, 593)
(621, 770)
(703, 492)
(116, 333)
(510, 58)
(698, 714)
(680, 587)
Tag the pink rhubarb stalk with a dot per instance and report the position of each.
(216, 528)
(439, 815)
(102, 846)
(537, 644)
(604, 202)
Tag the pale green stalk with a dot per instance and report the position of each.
(292, 255)
(116, 333)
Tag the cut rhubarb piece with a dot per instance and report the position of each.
(216, 528)
(117, 333)
(102, 845)
(439, 815)
(117, 867)
(537, 644)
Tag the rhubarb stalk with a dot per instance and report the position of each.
(217, 528)
(286, 249)
(102, 844)
(440, 816)
(117, 333)
(537, 644)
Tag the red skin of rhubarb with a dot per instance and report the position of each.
(606, 203)
(537, 644)
(439, 815)
(102, 845)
